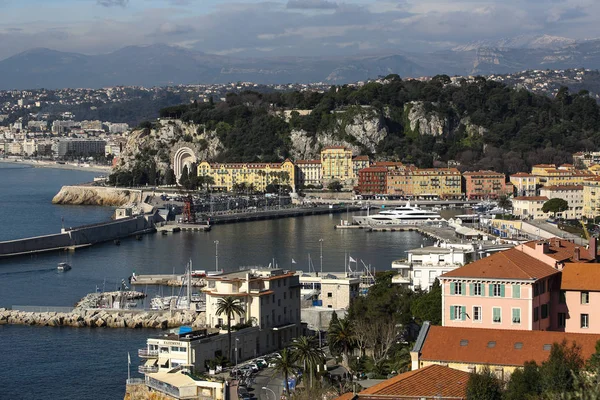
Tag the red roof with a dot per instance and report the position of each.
(373, 169)
(560, 249)
(360, 158)
(521, 174)
(563, 187)
(508, 264)
(581, 277)
(432, 381)
(531, 198)
(308, 162)
(497, 346)
(489, 173)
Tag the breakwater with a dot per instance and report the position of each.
(275, 214)
(82, 236)
(97, 195)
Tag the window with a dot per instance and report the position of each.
(417, 274)
(542, 287)
(329, 294)
(497, 315)
(544, 311)
(497, 290)
(456, 288)
(536, 314)
(562, 297)
(585, 320)
(432, 276)
(516, 315)
(585, 297)
(477, 289)
(476, 313)
(562, 320)
(458, 313)
(516, 291)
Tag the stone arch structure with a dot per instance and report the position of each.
(184, 156)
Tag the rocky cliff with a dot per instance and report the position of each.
(98, 196)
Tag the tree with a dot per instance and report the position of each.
(306, 351)
(229, 306)
(484, 386)
(524, 383)
(184, 178)
(286, 366)
(562, 366)
(504, 202)
(170, 177)
(335, 186)
(428, 307)
(555, 206)
(593, 364)
(341, 338)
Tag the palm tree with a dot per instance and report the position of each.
(341, 338)
(229, 306)
(286, 366)
(306, 350)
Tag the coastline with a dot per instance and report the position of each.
(47, 164)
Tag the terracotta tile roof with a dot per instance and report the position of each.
(432, 381)
(581, 276)
(488, 173)
(544, 166)
(521, 174)
(560, 249)
(563, 187)
(373, 169)
(594, 179)
(308, 162)
(360, 158)
(531, 198)
(346, 396)
(508, 264)
(443, 343)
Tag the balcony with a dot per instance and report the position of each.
(148, 368)
(401, 280)
(145, 353)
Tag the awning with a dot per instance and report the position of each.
(150, 363)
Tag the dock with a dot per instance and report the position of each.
(166, 280)
(178, 227)
(283, 213)
(446, 234)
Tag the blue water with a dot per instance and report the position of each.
(70, 363)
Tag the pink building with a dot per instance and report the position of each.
(520, 289)
(576, 303)
(484, 184)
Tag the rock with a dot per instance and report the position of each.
(423, 122)
(101, 196)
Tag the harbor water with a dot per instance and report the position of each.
(69, 363)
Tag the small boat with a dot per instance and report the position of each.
(63, 266)
(117, 242)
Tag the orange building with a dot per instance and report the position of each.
(484, 184)
(372, 180)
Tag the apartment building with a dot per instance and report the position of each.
(587, 158)
(358, 163)
(500, 350)
(443, 183)
(330, 289)
(481, 185)
(78, 147)
(270, 297)
(372, 180)
(259, 175)
(572, 194)
(591, 197)
(525, 184)
(512, 289)
(424, 265)
(336, 162)
(529, 207)
(309, 173)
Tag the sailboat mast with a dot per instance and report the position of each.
(189, 284)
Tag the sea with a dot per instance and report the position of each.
(92, 363)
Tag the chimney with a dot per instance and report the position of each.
(593, 249)
(556, 242)
(541, 247)
(576, 254)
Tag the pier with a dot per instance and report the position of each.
(166, 280)
(446, 234)
(283, 213)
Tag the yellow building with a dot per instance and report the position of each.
(259, 175)
(594, 169)
(525, 184)
(591, 197)
(358, 163)
(443, 183)
(336, 162)
(566, 174)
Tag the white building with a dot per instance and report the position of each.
(572, 194)
(529, 207)
(425, 264)
(309, 172)
(333, 290)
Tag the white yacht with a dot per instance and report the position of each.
(406, 215)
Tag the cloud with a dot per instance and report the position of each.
(311, 5)
(112, 3)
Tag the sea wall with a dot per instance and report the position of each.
(97, 196)
(104, 318)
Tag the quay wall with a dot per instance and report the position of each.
(108, 318)
(80, 236)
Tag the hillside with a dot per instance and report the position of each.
(482, 125)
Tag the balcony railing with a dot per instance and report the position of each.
(147, 369)
(145, 353)
(162, 387)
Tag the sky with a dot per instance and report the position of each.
(247, 28)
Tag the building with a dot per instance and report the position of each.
(591, 197)
(62, 127)
(358, 163)
(525, 184)
(529, 207)
(429, 183)
(336, 162)
(271, 299)
(257, 175)
(481, 185)
(578, 298)
(572, 194)
(309, 173)
(180, 385)
(512, 289)
(427, 383)
(115, 147)
(118, 128)
(550, 175)
(78, 148)
(424, 265)
(586, 159)
(500, 350)
(329, 289)
(372, 180)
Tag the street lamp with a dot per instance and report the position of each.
(267, 389)
(321, 243)
(236, 350)
(216, 255)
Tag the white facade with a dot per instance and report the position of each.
(529, 207)
(309, 172)
(424, 265)
(332, 290)
(572, 194)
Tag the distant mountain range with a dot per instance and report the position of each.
(160, 65)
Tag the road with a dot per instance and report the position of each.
(266, 378)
